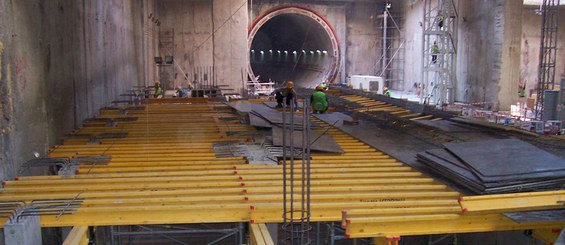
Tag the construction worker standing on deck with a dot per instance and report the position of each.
(386, 92)
(319, 101)
(158, 90)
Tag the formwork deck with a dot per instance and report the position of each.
(165, 171)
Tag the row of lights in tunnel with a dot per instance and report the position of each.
(294, 52)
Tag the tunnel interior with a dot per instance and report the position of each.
(293, 47)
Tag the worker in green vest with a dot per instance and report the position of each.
(387, 92)
(158, 90)
(435, 51)
(522, 90)
(319, 101)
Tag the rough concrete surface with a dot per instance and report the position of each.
(531, 33)
(62, 61)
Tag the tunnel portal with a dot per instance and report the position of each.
(293, 43)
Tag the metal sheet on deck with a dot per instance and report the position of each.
(537, 216)
(241, 106)
(258, 121)
(505, 157)
(323, 143)
(445, 125)
(273, 104)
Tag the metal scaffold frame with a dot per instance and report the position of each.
(439, 48)
(548, 51)
(392, 58)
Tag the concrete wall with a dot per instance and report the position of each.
(214, 34)
(531, 34)
(488, 52)
(62, 61)
(207, 34)
(413, 44)
(364, 40)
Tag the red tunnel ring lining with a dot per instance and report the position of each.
(335, 65)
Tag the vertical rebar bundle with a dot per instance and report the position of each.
(548, 51)
(296, 192)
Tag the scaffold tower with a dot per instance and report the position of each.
(439, 48)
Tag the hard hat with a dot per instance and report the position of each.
(385, 88)
(158, 82)
(289, 84)
(319, 88)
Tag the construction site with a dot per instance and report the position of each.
(288, 122)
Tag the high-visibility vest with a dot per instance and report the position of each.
(319, 101)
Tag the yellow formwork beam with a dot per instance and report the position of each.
(389, 240)
(444, 224)
(77, 236)
(548, 235)
(513, 202)
(259, 235)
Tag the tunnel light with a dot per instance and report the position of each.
(325, 52)
(278, 51)
(303, 51)
(286, 52)
(270, 50)
(294, 52)
(312, 52)
(317, 51)
(252, 51)
(262, 52)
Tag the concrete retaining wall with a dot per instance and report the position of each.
(61, 62)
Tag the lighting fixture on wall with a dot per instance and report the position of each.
(169, 59)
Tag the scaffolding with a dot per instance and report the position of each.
(548, 51)
(166, 68)
(392, 50)
(439, 48)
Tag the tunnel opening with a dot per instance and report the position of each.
(293, 43)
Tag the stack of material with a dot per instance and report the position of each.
(497, 166)
(318, 142)
(263, 116)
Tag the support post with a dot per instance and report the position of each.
(23, 230)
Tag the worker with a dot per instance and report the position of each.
(288, 93)
(324, 85)
(182, 92)
(319, 101)
(435, 51)
(386, 92)
(439, 20)
(158, 90)
(522, 90)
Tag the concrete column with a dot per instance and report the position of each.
(230, 42)
(26, 231)
(511, 51)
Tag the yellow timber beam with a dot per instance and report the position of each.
(259, 235)
(513, 202)
(438, 224)
(77, 236)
